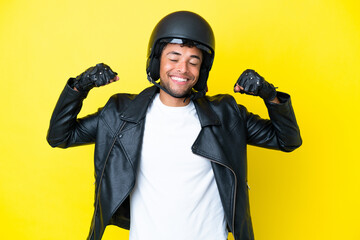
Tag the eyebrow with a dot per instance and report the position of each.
(177, 53)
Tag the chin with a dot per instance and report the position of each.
(178, 94)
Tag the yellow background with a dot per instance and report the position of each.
(309, 48)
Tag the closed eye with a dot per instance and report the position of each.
(194, 62)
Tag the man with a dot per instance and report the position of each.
(172, 159)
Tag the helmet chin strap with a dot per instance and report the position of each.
(192, 95)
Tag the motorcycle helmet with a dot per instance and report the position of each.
(182, 27)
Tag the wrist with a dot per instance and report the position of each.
(275, 100)
(268, 92)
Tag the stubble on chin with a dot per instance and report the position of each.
(176, 94)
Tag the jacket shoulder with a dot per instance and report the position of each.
(222, 100)
(119, 101)
(227, 109)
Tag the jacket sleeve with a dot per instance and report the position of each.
(280, 132)
(65, 129)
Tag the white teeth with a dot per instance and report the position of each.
(179, 79)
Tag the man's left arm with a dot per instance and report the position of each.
(281, 131)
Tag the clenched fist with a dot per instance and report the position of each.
(96, 76)
(250, 82)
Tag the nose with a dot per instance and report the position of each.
(182, 67)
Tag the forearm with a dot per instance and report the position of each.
(283, 119)
(275, 100)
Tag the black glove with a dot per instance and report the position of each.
(254, 84)
(96, 76)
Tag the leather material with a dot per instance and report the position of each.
(117, 131)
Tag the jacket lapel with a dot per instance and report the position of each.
(130, 134)
(210, 141)
(136, 111)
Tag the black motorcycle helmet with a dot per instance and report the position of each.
(186, 28)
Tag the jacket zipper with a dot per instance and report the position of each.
(234, 197)
(101, 177)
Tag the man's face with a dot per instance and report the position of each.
(179, 68)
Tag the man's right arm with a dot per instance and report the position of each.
(65, 129)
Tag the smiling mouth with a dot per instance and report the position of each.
(179, 79)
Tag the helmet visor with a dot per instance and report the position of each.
(186, 42)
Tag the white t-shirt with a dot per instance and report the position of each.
(175, 196)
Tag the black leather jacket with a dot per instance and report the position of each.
(117, 131)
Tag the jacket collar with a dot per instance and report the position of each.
(136, 111)
(207, 115)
